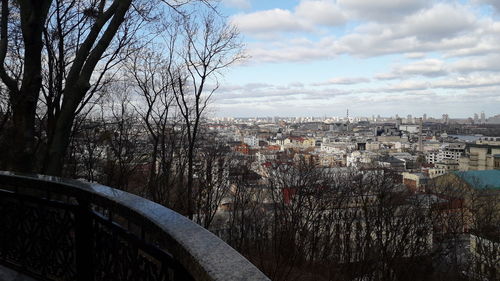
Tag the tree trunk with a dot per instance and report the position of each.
(190, 182)
(60, 141)
(33, 15)
(23, 141)
(77, 81)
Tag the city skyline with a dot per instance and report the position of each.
(393, 116)
(315, 58)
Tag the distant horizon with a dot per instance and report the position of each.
(352, 116)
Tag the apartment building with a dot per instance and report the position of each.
(480, 157)
(452, 151)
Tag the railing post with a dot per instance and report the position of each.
(84, 240)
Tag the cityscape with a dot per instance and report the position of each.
(250, 140)
(259, 180)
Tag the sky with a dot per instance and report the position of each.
(383, 57)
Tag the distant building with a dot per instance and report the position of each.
(445, 119)
(242, 148)
(252, 141)
(434, 172)
(489, 140)
(415, 181)
(480, 157)
(475, 187)
(494, 119)
(451, 151)
(360, 158)
(409, 119)
(392, 163)
(410, 128)
(471, 190)
(447, 165)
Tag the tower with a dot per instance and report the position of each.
(445, 119)
(420, 141)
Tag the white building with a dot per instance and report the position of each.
(452, 151)
(252, 141)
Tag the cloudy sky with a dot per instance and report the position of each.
(387, 57)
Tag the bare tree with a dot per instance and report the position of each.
(87, 150)
(466, 229)
(67, 50)
(210, 45)
(24, 95)
(212, 184)
(149, 71)
(332, 224)
(98, 24)
(125, 143)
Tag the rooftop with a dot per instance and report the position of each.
(481, 179)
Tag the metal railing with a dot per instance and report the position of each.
(58, 229)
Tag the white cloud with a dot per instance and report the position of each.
(294, 50)
(386, 76)
(375, 43)
(483, 40)
(494, 3)
(269, 21)
(473, 64)
(426, 67)
(469, 81)
(383, 10)
(440, 21)
(265, 92)
(467, 94)
(296, 85)
(304, 18)
(436, 67)
(415, 55)
(457, 82)
(321, 12)
(432, 68)
(440, 55)
(472, 81)
(420, 32)
(449, 28)
(407, 85)
(343, 81)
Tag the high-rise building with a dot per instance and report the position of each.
(420, 140)
(476, 118)
(483, 118)
(425, 117)
(445, 119)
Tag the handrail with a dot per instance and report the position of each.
(200, 253)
